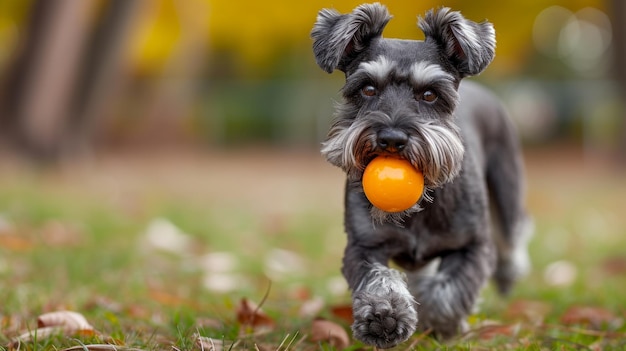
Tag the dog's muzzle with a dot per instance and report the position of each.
(391, 140)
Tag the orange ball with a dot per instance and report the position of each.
(392, 184)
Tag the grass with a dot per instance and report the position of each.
(76, 238)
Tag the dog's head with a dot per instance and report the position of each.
(400, 95)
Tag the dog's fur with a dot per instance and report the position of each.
(405, 98)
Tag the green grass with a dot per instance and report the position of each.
(71, 244)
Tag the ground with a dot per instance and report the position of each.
(158, 249)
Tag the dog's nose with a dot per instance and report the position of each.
(392, 139)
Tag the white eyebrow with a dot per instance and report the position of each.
(379, 69)
(424, 73)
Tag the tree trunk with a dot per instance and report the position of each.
(39, 85)
(618, 8)
(59, 81)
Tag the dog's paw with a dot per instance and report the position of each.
(446, 304)
(383, 321)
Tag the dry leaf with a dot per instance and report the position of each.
(10, 324)
(6, 226)
(222, 282)
(311, 308)
(57, 233)
(39, 333)
(218, 262)
(300, 293)
(337, 286)
(249, 314)
(59, 322)
(68, 320)
(209, 344)
(343, 312)
(593, 316)
(615, 265)
(164, 235)
(165, 298)
(280, 264)
(528, 310)
(15, 242)
(169, 299)
(100, 347)
(331, 332)
(490, 331)
(560, 273)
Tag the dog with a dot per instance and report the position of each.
(406, 99)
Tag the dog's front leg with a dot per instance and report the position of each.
(448, 296)
(384, 310)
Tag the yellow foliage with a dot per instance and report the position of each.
(255, 31)
(12, 16)
(255, 28)
(156, 35)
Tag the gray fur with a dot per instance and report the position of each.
(387, 308)
(471, 44)
(470, 224)
(338, 36)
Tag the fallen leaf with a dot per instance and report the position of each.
(10, 324)
(6, 226)
(100, 347)
(57, 233)
(218, 262)
(614, 265)
(280, 264)
(169, 299)
(489, 330)
(164, 235)
(14, 242)
(343, 312)
(560, 273)
(39, 333)
(222, 282)
(300, 293)
(337, 286)
(57, 323)
(138, 311)
(330, 332)
(165, 298)
(69, 320)
(210, 344)
(311, 308)
(528, 310)
(595, 317)
(249, 314)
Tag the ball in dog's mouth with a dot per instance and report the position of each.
(392, 184)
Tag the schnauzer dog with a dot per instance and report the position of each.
(405, 98)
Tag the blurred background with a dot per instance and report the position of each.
(79, 77)
(192, 128)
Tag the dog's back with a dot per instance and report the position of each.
(484, 120)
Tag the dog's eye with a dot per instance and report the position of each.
(369, 90)
(428, 96)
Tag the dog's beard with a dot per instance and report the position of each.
(434, 147)
(437, 151)
(350, 146)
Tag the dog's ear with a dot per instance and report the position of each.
(469, 46)
(338, 38)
